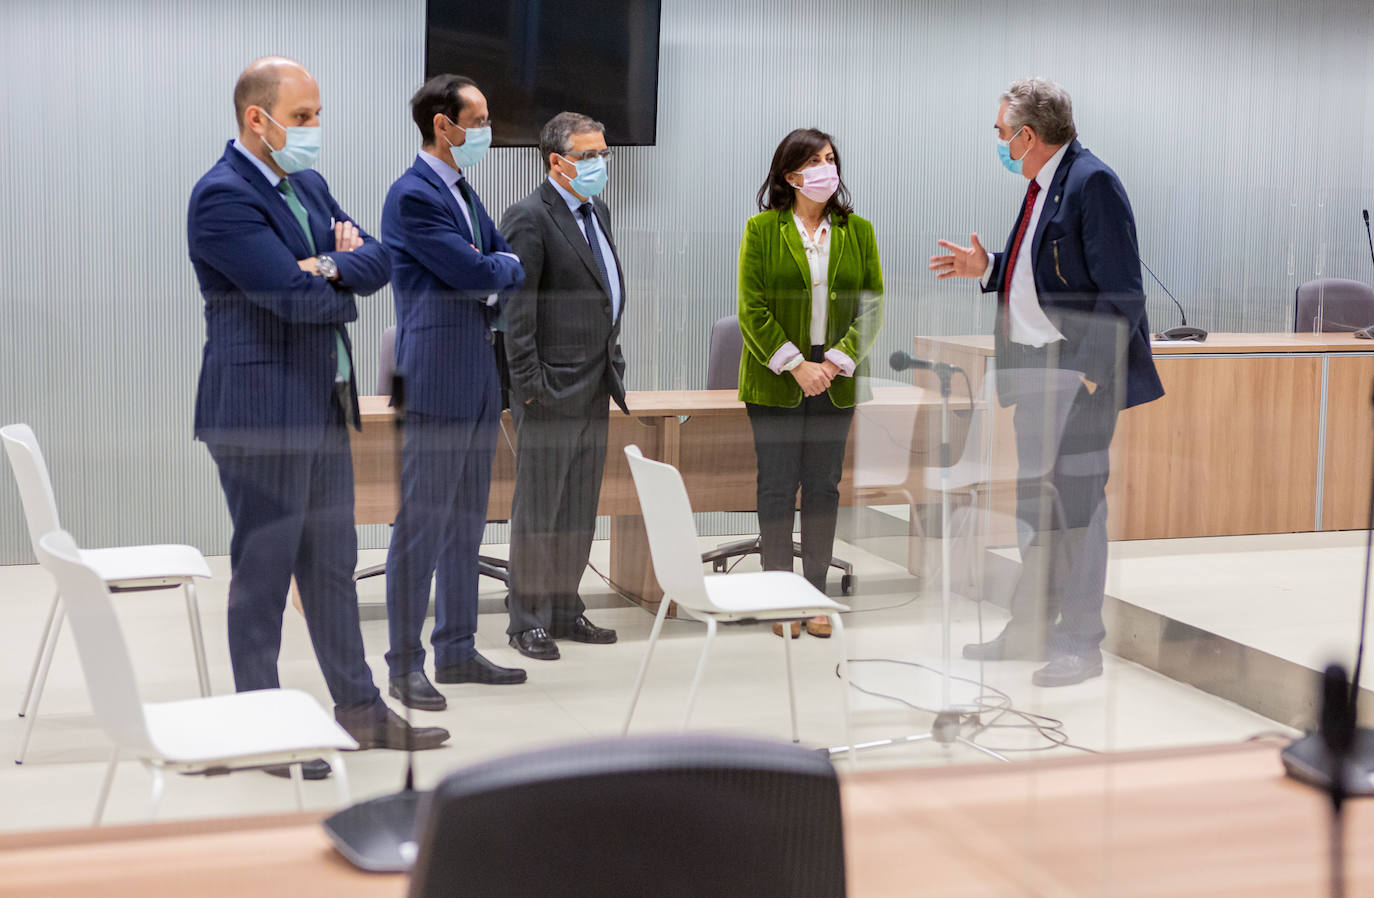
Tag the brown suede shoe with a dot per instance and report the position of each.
(819, 627)
(796, 629)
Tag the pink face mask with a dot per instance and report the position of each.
(819, 182)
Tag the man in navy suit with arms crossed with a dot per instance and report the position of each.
(450, 267)
(279, 264)
(1070, 299)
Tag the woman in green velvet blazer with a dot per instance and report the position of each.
(810, 308)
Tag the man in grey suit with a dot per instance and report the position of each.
(562, 344)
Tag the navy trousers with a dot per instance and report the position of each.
(445, 482)
(293, 514)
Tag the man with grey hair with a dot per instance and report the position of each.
(563, 347)
(1071, 309)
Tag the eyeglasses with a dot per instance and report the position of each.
(484, 123)
(589, 154)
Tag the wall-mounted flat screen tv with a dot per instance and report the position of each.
(536, 58)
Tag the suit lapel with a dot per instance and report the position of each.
(792, 239)
(572, 232)
(1054, 195)
(839, 235)
(429, 176)
(283, 221)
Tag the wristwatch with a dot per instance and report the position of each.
(327, 267)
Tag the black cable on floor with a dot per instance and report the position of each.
(998, 703)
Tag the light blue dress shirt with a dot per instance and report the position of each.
(612, 269)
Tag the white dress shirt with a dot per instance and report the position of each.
(450, 176)
(612, 269)
(1029, 324)
(817, 249)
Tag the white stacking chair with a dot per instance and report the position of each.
(227, 732)
(124, 569)
(720, 598)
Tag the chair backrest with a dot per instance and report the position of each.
(99, 643)
(1333, 305)
(678, 815)
(386, 362)
(35, 487)
(990, 457)
(672, 532)
(885, 438)
(722, 362)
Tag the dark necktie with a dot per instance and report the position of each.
(585, 211)
(1021, 229)
(472, 213)
(344, 370)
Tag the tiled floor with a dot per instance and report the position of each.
(586, 693)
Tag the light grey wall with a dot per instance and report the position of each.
(1238, 126)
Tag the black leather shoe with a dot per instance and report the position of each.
(583, 630)
(1067, 670)
(314, 769)
(1012, 644)
(535, 643)
(416, 691)
(389, 731)
(479, 670)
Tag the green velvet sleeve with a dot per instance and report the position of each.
(858, 341)
(763, 335)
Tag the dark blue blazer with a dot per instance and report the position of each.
(268, 368)
(441, 283)
(1087, 275)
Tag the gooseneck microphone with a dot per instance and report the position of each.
(1183, 331)
(1368, 332)
(901, 361)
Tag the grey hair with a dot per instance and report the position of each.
(556, 136)
(1043, 106)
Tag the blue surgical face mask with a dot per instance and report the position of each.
(300, 150)
(474, 148)
(1004, 151)
(591, 176)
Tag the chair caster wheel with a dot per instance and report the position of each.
(718, 567)
(847, 584)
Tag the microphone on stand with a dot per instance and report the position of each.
(901, 361)
(1368, 332)
(1338, 734)
(1183, 331)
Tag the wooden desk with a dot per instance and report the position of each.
(704, 433)
(1256, 433)
(1201, 822)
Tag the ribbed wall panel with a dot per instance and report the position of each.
(1238, 126)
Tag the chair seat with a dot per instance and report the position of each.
(124, 564)
(239, 727)
(765, 595)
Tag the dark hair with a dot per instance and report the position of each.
(793, 153)
(558, 131)
(439, 94)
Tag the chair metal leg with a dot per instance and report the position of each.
(336, 761)
(104, 793)
(791, 687)
(701, 667)
(43, 667)
(837, 625)
(154, 794)
(644, 665)
(38, 655)
(197, 637)
(297, 780)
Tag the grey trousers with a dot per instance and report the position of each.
(559, 462)
(1062, 515)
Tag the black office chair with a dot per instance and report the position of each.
(487, 565)
(1342, 305)
(722, 373)
(669, 816)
